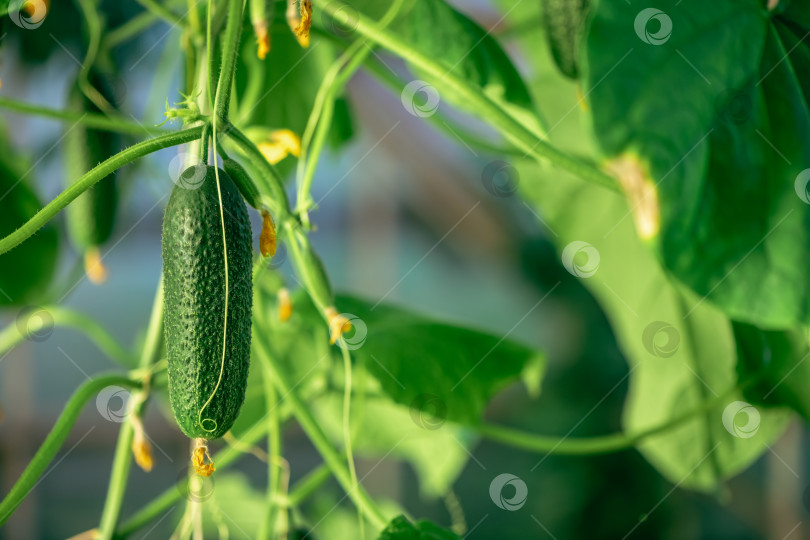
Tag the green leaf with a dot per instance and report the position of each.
(427, 364)
(437, 451)
(680, 350)
(710, 169)
(405, 369)
(26, 270)
(402, 529)
(450, 37)
(779, 359)
(437, 30)
(564, 22)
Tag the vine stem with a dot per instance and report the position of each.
(11, 336)
(56, 438)
(224, 458)
(123, 450)
(267, 527)
(320, 119)
(347, 432)
(97, 173)
(93, 120)
(310, 425)
(597, 445)
(532, 143)
(230, 48)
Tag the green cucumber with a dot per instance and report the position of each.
(245, 184)
(91, 217)
(206, 392)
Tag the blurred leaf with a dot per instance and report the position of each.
(26, 270)
(710, 169)
(414, 357)
(437, 451)
(679, 348)
(564, 24)
(394, 347)
(438, 31)
(780, 358)
(402, 529)
(289, 79)
(231, 502)
(448, 36)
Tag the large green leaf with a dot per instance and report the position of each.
(708, 134)
(427, 364)
(680, 351)
(416, 381)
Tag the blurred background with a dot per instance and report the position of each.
(403, 214)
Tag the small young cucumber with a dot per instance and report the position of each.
(207, 388)
(91, 217)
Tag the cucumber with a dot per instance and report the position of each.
(206, 393)
(91, 217)
(564, 21)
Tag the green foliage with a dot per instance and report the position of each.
(779, 361)
(718, 158)
(564, 22)
(402, 529)
(26, 271)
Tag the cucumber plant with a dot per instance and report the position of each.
(667, 158)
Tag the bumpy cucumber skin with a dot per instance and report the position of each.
(194, 274)
(91, 217)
